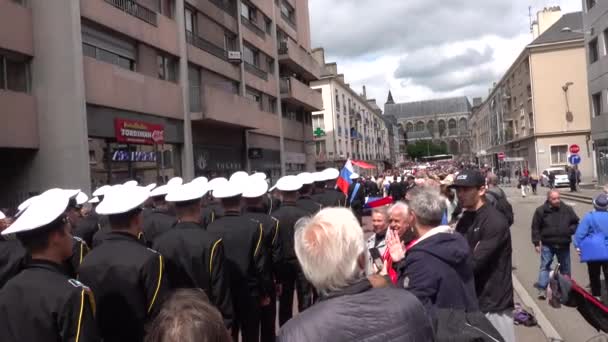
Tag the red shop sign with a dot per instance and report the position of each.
(137, 132)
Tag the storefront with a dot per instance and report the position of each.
(125, 145)
(266, 161)
(217, 161)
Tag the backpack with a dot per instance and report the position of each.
(502, 204)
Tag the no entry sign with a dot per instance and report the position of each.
(574, 149)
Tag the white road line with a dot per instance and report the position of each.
(544, 324)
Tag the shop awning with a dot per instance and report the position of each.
(362, 164)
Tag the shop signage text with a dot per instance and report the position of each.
(137, 132)
(133, 156)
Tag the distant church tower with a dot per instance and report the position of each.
(390, 98)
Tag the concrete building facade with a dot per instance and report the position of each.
(539, 108)
(100, 91)
(350, 125)
(595, 27)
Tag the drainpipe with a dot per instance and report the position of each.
(242, 85)
(278, 94)
(187, 152)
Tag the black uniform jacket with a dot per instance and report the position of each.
(129, 283)
(288, 215)
(156, 223)
(43, 304)
(195, 259)
(79, 251)
(272, 245)
(357, 201)
(87, 227)
(12, 259)
(308, 204)
(489, 238)
(330, 198)
(243, 240)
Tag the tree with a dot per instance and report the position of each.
(423, 148)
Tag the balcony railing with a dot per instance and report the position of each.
(283, 47)
(195, 98)
(256, 71)
(206, 45)
(288, 20)
(253, 27)
(133, 8)
(285, 85)
(228, 6)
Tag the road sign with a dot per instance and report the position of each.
(574, 159)
(574, 149)
(501, 155)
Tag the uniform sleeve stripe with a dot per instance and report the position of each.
(276, 233)
(212, 254)
(212, 216)
(81, 254)
(257, 247)
(80, 316)
(160, 277)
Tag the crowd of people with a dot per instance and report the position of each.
(211, 260)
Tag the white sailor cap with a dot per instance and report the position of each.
(239, 177)
(2, 216)
(331, 173)
(81, 198)
(306, 178)
(260, 175)
(200, 180)
(150, 187)
(26, 203)
(186, 192)
(175, 181)
(122, 199)
(354, 175)
(130, 183)
(216, 183)
(101, 190)
(256, 187)
(319, 176)
(42, 210)
(228, 189)
(289, 183)
(162, 190)
(94, 200)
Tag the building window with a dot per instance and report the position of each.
(270, 62)
(255, 96)
(14, 75)
(230, 42)
(247, 12)
(108, 56)
(167, 68)
(596, 104)
(559, 154)
(318, 121)
(194, 77)
(190, 20)
(531, 120)
(108, 47)
(272, 103)
(590, 4)
(268, 25)
(320, 147)
(288, 13)
(251, 56)
(167, 8)
(593, 52)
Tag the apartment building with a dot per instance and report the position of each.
(539, 107)
(350, 125)
(100, 91)
(595, 27)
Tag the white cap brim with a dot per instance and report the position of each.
(256, 188)
(122, 199)
(41, 211)
(186, 192)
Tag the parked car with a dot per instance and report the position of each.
(561, 177)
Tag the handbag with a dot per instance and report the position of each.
(594, 247)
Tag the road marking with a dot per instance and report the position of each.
(544, 323)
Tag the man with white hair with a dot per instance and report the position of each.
(331, 249)
(399, 221)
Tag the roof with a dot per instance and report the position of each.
(429, 107)
(554, 34)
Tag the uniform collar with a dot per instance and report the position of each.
(187, 224)
(288, 204)
(124, 236)
(256, 210)
(47, 265)
(232, 213)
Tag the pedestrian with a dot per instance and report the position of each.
(553, 224)
(551, 180)
(489, 238)
(127, 278)
(400, 222)
(305, 200)
(572, 178)
(589, 240)
(356, 196)
(396, 190)
(254, 192)
(534, 183)
(524, 181)
(42, 303)
(187, 316)
(331, 249)
(194, 257)
(496, 197)
(438, 269)
(377, 240)
(250, 279)
(290, 275)
(79, 247)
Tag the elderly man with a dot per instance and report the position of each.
(399, 221)
(553, 224)
(331, 250)
(376, 241)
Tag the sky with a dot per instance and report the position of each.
(424, 49)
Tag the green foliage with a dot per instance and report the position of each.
(423, 148)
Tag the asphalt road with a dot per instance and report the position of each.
(567, 321)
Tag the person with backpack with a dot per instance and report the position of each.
(590, 246)
(496, 197)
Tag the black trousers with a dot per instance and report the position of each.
(268, 318)
(292, 278)
(594, 269)
(246, 317)
(572, 185)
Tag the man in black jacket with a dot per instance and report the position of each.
(553, 224)
(396, 190)
(356, 196)
(489, 237)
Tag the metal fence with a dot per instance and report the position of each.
(133, 8)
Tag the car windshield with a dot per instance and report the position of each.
(557, 172)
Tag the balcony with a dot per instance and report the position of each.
(206, 45)
(16, 28)
(133, 8)
(221, 106)
(299, 60)
(134, 21)
(253, 27)
(20, 121)
(228, 7)
(289, 21)
(255, 70)
(112, 86)
(299, 94)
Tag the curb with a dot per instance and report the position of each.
(544, 323)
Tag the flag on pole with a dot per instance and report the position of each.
(344, 180)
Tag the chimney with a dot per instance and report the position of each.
(545, 19)
(476, 101)
(364, 92)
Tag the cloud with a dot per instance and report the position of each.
(430, 62)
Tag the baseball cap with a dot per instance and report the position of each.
(469, 179)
